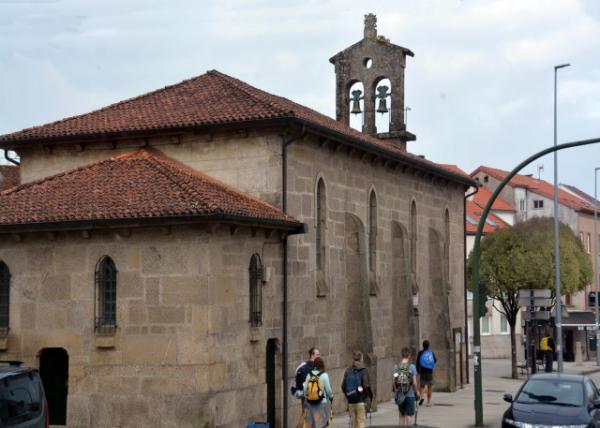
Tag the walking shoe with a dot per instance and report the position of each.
(428, 404)
(421, 401)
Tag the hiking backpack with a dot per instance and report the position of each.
(353, 382)
(404, 378)
(427, 359)
(314, 391)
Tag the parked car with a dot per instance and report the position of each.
(22, 399)
(554, 400)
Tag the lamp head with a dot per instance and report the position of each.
(556, 67)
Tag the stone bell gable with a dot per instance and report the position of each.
(369, 61)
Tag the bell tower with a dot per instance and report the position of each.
(379, 66)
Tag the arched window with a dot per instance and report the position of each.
(447, 243)
(4, 296)
(106, 294)
(413, 237)
(372, 231)
(256, 270)
(321, 224)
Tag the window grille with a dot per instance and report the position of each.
(106, 295)
(256, 275)
(4, 296)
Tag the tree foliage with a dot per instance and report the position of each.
(522, 257)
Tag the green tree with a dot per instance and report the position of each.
(522, 257)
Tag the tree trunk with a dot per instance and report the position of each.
(513, 351)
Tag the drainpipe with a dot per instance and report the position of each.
(465, 281)
(11, 160)
(284, 366)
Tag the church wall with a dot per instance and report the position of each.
(320, 321)
(249, 161)
(183, 355)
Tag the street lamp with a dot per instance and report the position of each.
(596, 262)
(557, 239)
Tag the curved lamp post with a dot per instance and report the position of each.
(476, 257)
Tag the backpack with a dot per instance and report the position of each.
(301, 373)
(427, 359)
(404, 378)
(353, 382)
(314, 391)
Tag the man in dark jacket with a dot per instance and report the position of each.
(356, 388)
(425, 364)
(302, 372)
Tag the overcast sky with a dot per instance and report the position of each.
(480, 86)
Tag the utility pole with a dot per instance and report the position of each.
(558, 316)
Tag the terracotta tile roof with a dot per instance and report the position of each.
(581, 194)
(207, 100)
(139, 185)
(9, 176)
(483, 195)
(454, 168)
(540, 187)
(474, 212)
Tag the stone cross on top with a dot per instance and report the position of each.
(370, 61)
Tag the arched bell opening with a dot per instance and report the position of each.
(383, 104)
(356, 96)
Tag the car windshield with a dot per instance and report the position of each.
(552, 391)
(20, 400)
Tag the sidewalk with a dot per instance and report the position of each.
(455, 409)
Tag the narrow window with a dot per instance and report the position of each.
(588, 243)
(256, 270)
(320, 220)
(4, 296)
(485, 325)
(522, 204)
(503, 324)
(106, 294)
(581, 238)
(413, 238)
(372, 232)
(447, 243)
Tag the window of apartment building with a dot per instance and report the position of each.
(522, 204)
(485, 325)
(503, 324)
(538, 204)
(4, 296)
(588, 243)
(106, 294)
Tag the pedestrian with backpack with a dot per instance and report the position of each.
(318, 396)
(425, 364)
(405, 384)
(355, 386)
(302, 372)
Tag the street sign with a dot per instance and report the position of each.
(536, 302)
(539, 315)
(544, 293)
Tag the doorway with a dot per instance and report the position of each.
(270, 379)
(54, 371)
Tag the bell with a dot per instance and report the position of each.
(382, 106)
(356, 102)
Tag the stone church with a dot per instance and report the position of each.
(169, 259)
